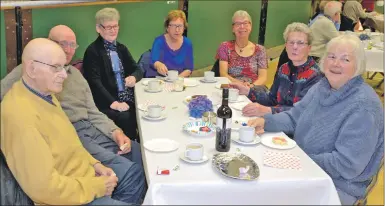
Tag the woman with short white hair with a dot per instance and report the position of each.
(340, 121)
(241, 60)
(325, 28)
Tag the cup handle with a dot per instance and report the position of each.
(186, 153)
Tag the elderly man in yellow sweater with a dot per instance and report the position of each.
(41, 146)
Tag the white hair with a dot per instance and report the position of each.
(357, 47)
(298, 27)
(332, 8)
(241, 13)
(107, 14)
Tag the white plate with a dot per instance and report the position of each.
(235, 138)
(204, 81)
(163, 116)
(239, 106)
(190, 82)
(184, 158)
(161, 145)
(193, 127)
(238, 100)
(152, 91)
(268, 141)
(218, 86)
(144, 106)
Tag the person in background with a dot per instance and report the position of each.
(368, 5)
(293, 79)
(354, 11)
(325, 28)
(172, 50)
(98, 134)
(241, 60)
(43, 150)
(111, 73)
(340, 121)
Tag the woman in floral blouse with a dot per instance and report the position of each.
(241, 60)
(293, 79)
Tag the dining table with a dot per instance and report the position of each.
(187, 183)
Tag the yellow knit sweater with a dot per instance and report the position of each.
(44, 153)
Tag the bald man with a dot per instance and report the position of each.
(99, 135)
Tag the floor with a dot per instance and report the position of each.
(376, 196)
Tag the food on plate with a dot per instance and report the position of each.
(205, 129)
(279, 141)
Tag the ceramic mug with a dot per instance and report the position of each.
(194, 151)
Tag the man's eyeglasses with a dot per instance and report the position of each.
(176, 26)
(299, 43)
(56, 68)
(65, 44)
(109, 28)
(239, 24)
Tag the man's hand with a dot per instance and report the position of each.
(255, 109)
(130, 81)
(122, 140)
(243, 89)
(102, 170)
(258, 123)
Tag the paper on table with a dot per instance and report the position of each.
(281, 160)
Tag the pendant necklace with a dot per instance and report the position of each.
(241, 48)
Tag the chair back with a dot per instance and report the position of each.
(215, 68)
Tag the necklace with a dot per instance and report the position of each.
(241, 48)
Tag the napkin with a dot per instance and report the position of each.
(169, 87)
(281, 160)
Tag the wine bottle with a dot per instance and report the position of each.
(223, 129)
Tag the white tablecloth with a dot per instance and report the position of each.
(374, 56)
(201, 184)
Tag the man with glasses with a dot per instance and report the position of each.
(98, 134)
(41, 146)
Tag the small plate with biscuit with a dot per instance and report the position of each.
(277, 141)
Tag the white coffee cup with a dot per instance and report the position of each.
(154, 85)
(209, 76)
(154, 111)
(246, 134)
(233, 94)
(172, 75)
(194, 151)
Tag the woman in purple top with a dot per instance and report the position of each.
(172, 51)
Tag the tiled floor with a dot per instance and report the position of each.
(376, 196)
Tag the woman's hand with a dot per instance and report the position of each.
(161, 68)
(130, 81)
(119, 106)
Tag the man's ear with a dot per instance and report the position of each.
(30, 69)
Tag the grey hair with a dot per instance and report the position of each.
(298, 27)
(332, 7)
(107, 14)
(358, 51)
(241, 13)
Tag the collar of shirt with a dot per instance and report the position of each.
(47, 98)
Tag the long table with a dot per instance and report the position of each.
(195, 184)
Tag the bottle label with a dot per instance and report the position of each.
(220, 123)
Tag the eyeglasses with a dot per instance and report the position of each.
(57, 68)
(299, 43)
(109, 28)
(176, 26)
(65, 44)
(239, 24)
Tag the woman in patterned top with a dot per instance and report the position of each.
(293, 79)
(112, 73)
(241, 60)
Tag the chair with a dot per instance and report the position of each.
(215, 68)
(145, 65)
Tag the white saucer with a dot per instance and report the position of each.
(204, 81)
(238, 100)
(161, 145)
(184, 158)
(152, 91)
(239, 106)
(169, 80)
(235, 138)
(145, 116)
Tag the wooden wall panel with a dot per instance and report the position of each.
(10, 34)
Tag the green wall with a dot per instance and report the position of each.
(3, 56)
(280, 14)
(139, 23)
(379, 9)
(210, 24)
